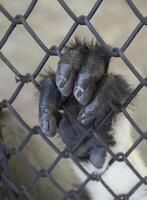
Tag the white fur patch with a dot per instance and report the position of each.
(119, 177)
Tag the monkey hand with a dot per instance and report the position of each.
(81, 66)
(83, 72)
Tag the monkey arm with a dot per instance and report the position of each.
(48, 105)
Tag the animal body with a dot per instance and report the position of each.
(83, 85)
(87, 66)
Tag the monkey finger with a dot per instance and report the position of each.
(68, 65)
(48, 124)
(66, 72)
(97, 156)
(64, 82)
(83, 96)
(85, 148)
(48, 105)
(90, 111)
(67, 133)
(84, 86)
(65, 78)
(112, 90)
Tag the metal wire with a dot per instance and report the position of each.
(6, 154)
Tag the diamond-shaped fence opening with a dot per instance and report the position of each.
(8, 153)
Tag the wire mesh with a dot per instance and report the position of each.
(6, 154)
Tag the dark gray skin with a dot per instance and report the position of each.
(83, 85)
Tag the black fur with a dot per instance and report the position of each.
(89, 47)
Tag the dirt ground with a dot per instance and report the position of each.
(114, 21)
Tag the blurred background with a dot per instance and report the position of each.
(114, 21)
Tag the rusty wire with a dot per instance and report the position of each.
(14, 191)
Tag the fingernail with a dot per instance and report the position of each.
(83, 121)
(78, 91)
(82, 118)
(61, 80)
(58, 78)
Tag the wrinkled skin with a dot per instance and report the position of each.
(83, 86)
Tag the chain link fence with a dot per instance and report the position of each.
(6, 153)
